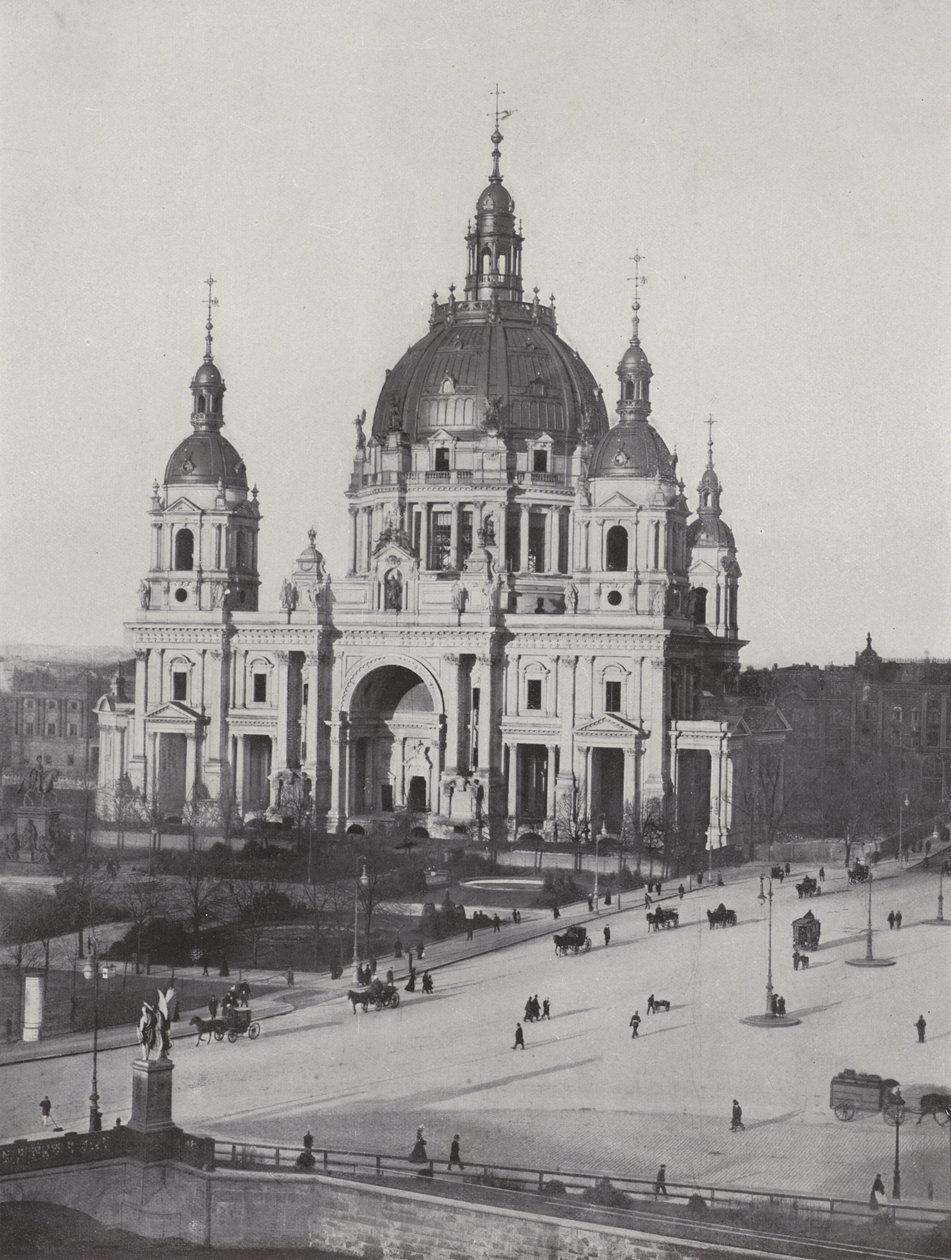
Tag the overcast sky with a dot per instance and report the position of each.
(782, 166)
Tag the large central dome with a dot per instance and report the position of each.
(492, 359)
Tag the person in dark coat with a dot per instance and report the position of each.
(213, 1006)
(427, 982)
(470, 927)
(876, 1199)
(650, 1005)
(607, 935)
(590, 902)
(496, 923)
(787, 868)
(454, 1159)
(635, 1023)
(398, 948)
(921, 1025)
(546, 1009)
(46, 1110)
(736, 1119)
(898, 918)
(410, 986)
(660, 1181)
(822, 873)
(680, 891)
(418, 1154)
(891, 919)
(519, 1038)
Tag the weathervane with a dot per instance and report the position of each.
(497, 137)
(212, 301)
(710, 422)
(638, 279)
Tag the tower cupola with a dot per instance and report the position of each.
(634, 371)
(495, 245)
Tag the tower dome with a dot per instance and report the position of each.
(206, 458)
(710, 529)
(492, 360)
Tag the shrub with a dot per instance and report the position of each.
(605, 1194)
(558, 889)
(165, 941)
(697, 1205)
(554, 1187)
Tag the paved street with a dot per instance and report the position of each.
(583, 1094)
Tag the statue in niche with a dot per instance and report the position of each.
(584, 491)
(393, 591)
(218, 593)
(458, 597)
(571, 597)
(145, 594)
(486, 532)
(657, 599)
(358, 424)
(289, 595)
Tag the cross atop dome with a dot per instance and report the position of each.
(212, 301)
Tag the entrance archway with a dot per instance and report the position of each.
(394, 736)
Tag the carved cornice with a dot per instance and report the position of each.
(145, 637)
(406, 638)
(291, 638)
(584, 643)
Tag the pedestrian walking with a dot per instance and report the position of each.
(454, 1159)
(418, 1154)
(822, 873)
(546, 1009)
(635, 1023)
(528, 1010)
(590, 902)
(787, 868)
(647, 901)
(398, 948)
(650, 1005)
(891, 919)
(607, 935)
(496, 923)
(876, 1199)
(427, 982)
(681, 890)
(420, 951)
(660, 1181)
(519, 1038)
(897, 918)
(781, 1006)
(921, 1025)
(736, 1119)
(46, 1110)
(469, 928)
(536, 1008)
(213, 1006)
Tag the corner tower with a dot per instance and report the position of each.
(714, 570)
(204, 544)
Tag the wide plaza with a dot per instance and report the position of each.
(585, 1095)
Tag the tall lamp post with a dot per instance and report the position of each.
(598, 837)
(769, 951)
(362, 882)
(869, 960)
(903, 804)
(93, 970)
(894, 1113)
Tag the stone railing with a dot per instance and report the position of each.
(117, 1143)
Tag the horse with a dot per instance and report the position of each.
(206, 1028)
(658, 1003)
(358, 997)
(936, 1105)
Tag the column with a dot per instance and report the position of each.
(452, 714)
(424, 536)
(191, 751)
(501, 534)
(551, 556)
(279, 756)
(513, 781)
(239, 773)
(454, 535)
(272, 787)
(630, 781)
(487, 689)
(523, 537)
(550, 782)
(715, 833)
(311, 729)
(600, 564)
(141, 700)
(353, 540)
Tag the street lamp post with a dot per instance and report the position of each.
(769, 951)
(903, 803)
(362, 882)
(93, 970)
(598, 835)
(894, 1114)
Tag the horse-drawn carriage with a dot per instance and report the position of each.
(859, 873)
(808, 888)
(234, 1022)
(377, 994)
(805, 931)
(777, 872)
(661, 918)
(574, 940)
(721, 917)
(853, 1091)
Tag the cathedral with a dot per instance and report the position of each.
(534, 631)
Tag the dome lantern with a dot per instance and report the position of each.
(495, 245)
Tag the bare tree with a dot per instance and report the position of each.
(143, 901)
(653, 830)
(573, 822)
(123, 806)
(252, 899)
(198, 889)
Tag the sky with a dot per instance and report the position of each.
(782, 167)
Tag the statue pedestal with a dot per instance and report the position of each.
(36, 830)
(33, 993)
(151, 1096)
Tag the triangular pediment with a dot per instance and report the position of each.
(618, 501)
(702, 569)
(174, 711)
(442, 438)
(182, 504)
(609, 724)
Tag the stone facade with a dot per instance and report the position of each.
(529, 637)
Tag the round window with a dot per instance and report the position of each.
(614, 598)
(181, 594)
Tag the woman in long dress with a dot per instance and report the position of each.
(418, 1153)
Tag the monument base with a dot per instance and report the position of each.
(771, 1021)
(151, 1096)
(870, 962)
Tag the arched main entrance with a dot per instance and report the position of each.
(394, 730)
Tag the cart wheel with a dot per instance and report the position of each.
(943, 1116)
(378, 1004)
(844, 1111)
(232, 1036)
(395, 1000)
(587, 945)
(219, 1035)
(254, 1030)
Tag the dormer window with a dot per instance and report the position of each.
(539, 461)
(441, 458)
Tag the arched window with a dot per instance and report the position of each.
(486, 261)
(201, 404)
(184, 549)
(699, 606)
(503, 264)
(615, 550)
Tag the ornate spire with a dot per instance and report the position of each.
(495, 244)
(212, 301)
(709, 488)
(710, 423)
(634, 370)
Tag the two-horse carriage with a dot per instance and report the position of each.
(233, 1023)
(574, 940)
(721, 917)
(859, 873)
(661, 918)
(376, 994)
(808, 888)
